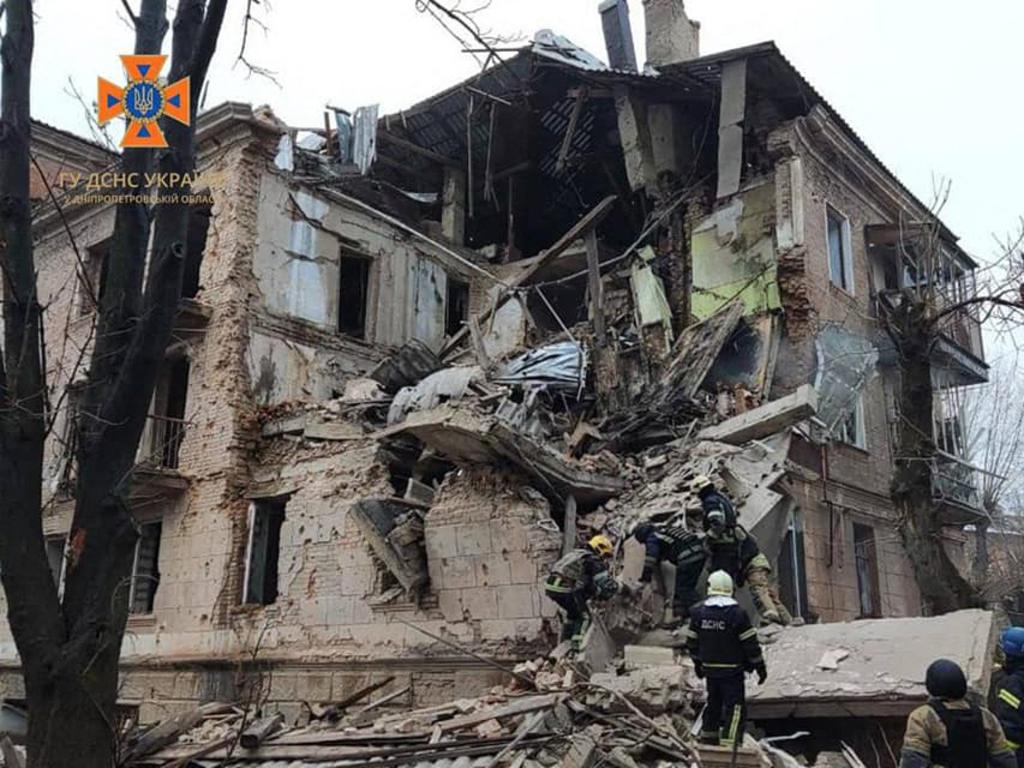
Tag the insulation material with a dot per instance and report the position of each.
(649, 298)
(451, 384)
(561, 366)
(845, 364)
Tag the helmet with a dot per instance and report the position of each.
(720, 583)
(602, 545)
(701, 483)
(642, 532)
(1013, 642)
(945, 680)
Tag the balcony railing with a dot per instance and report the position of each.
(955, 490)
(161, 442)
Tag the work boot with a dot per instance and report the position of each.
(711, 739)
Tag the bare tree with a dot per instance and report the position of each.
(933, 299)
(993, 423)
(70, 646)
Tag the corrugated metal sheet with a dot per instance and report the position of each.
(364, 137)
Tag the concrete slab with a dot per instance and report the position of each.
(883, 671)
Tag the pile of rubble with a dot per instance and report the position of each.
(550, 714)
(641, 710)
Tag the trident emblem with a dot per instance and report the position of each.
(143, 101)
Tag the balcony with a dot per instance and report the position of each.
(161, 442)
(157, 468)
(955, 492)
(916, 257)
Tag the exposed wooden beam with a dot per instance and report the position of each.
(430, 154)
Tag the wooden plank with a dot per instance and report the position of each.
(570, 129)
(168, 731)
(259, 731)
(437, 157)
(522, 706)
(569, 527)
(578, 230)
(594, 286)
(363, 692)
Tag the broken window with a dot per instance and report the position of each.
(92, 278)
(354, 280)
(198, 228)
(852, 431)
(840, 250)
(865, 555)
(145, 569)
(55, 557)
(266, 516)
(792, 568)
(456, 306)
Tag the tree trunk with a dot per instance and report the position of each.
(70, 650)
(943, 588)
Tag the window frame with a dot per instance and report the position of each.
(869, 558)
(846, 249)
(274, 507)
(860, 438)
(347, 254)
(154, 578)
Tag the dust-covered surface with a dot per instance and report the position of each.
(872, 659)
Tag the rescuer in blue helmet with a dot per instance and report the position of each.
(1010, 691)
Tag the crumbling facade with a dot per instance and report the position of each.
(419, 355)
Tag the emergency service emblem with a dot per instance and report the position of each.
(143, 101)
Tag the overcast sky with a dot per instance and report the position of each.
(931, 85)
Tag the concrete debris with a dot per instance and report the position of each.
(870, 666)
(765, 420)
(831, 659)
(413, 362)
(448, 385)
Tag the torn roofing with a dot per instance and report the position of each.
(699, 77)
(708, 70)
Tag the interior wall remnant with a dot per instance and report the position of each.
(730, 126)
(733, 253)
(635, 138)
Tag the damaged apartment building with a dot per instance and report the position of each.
(418, 354)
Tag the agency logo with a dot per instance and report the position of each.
(143, 101)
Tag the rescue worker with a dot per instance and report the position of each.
(724, 647)
(681, 547)
(951, 732)
(1010, 691)
(575, 579)
(732, 549)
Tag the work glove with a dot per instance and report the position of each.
(762, 673)
(698, 668)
